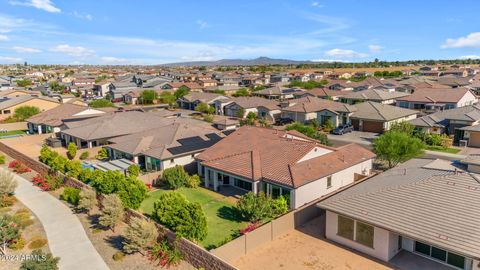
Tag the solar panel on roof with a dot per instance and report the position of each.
(190, 140)
(190, 147)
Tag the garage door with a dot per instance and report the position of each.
(355, 124)
(474, 140)
(371, 126)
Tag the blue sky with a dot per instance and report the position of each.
(155, 32)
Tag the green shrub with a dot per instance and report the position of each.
(118, 256)
(55, 182)
(17, 244)
(133, 170)
(193, 181)
(2, 159)
(71, 195)
(84, 155)
(37, 242)
(102, 153)
(167, 255)
(254, 207)
(72, 150)
(175, 177)
(187, 219)
(48, 262)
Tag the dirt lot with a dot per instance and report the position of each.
(305, 249)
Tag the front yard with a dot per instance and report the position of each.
(222, 219)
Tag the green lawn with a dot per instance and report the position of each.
(441, 149)
(12, 132)
(222, 220)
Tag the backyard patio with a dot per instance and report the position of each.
(222, 218)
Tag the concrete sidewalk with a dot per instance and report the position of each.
(66, 236)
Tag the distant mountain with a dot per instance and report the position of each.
(242, 62)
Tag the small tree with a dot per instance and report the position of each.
(148, 96)
(168, 98)
(133, 170)
(175, 177)
(9, 231)
(72, 150)
(395, 147)
(102, 153)
(112, 212)
(8, 183)
(251, 116)
(242, 92)
(254, 207)
(241, 112)
(181, 92)
(139, 235)
(101, 103)
(187, 219)
(40, 261)
(404, 127)
(24, 112)
(205, 108)
(132, 192)
(88, 200)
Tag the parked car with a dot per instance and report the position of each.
(283, 121)
(340, 130)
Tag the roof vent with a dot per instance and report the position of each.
(443, 237)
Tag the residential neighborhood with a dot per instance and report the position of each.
(263, 135)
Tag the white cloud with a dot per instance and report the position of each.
(317, 4)
(10, 59)
(202, 24)
(2, 30)
(87, 17)
(20, 49)
(77, 51)
(4, 38)
(45, 5)
(473, 56)
(375, 48)
(114, 60)
(470, 41)
(341, 53)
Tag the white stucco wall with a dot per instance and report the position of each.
(318, 188)
(381, 242)
(316, 152)
(185, 160)
(387, 125)
(467, 99)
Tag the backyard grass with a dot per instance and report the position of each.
(11, 133)
(441, 149)
(222, 219)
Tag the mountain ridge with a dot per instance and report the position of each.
(243, 62)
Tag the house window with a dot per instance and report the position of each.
(243, 184)
(329, 181)
(364, 234)
(172, 160)
(6, 112)
(440, 254)
(345, 227)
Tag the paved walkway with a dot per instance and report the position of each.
(66, 236)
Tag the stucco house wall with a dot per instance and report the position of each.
(318, 188)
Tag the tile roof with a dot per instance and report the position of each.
(271, 155)
(377, 111)
(436, 206)
(255, 102)
(436, 95)
(374, 95)
(54, 117)
(440, 119)
(314, 104)
(8, 102)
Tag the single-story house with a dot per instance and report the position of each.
(263, 108)
(377, 117)
(191, 100)
(8, 105)
(175, 143)
(326, 93)
(421, 211)
(53, 119)
(281, 163)
(279, 93)
(450, 122)
(436, 99)
(381, 96)
(312, 108)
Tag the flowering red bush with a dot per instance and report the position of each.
(149, 186)
(250, 227)
(41, 182)
(164, 254)
(18, 167)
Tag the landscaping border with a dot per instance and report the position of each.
(193, 253)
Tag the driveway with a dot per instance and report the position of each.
(358, 137)
(66, 236)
